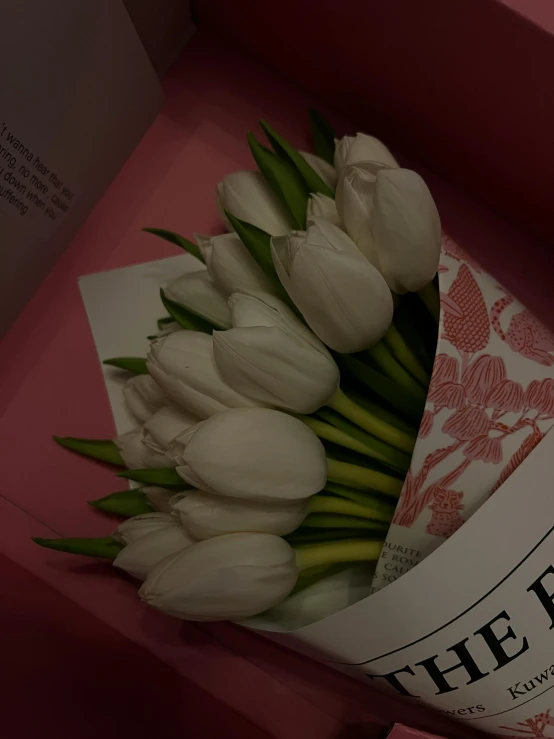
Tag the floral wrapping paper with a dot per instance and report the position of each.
(490, 402)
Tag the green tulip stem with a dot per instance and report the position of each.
(382, 357)
(330, 504)
(383, 507)
(431, 298)
(330, 433)
(402, 352)
(397, 438)
(333, 552)
(362, 478)
(104, 546)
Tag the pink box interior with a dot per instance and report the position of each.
(77, 631)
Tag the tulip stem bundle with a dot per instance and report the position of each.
(330, 553)
(381, 429)
(395, 342)
(331, 504)
(381, 355)
(430, 296)
(362, 478)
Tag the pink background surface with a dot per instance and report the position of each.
(50, 382)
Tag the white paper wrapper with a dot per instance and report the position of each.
(471, 629)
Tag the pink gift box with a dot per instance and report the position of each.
(51, 383)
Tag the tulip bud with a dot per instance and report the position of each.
(136, 454)
(206, 515)
(361, 148)
(197, 292)
(183, 365)
(230, 264)
(405, 230)
(165, 425)
(320, 206)
(144, 551)
(273, 357)
(143, 397)
(227, 577)
(252, 453)
(342, 297)
(248, 196)
(136, 527)
(325, 170)
(392, 217)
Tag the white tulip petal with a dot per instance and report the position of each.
(406, 230)
(136, 527)
(325, 170)
(197, 292)
(227, 577)
(159, 498)
(165, 425)
(139, 557)
(361, 148)
(247, 196)
(183, 365)
(343, 298)
(254, 453)
(136, 454)
(230, 265)
(276, 368)
(205, 515)
(143, 397)
(320, 206)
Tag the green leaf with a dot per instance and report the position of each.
(186, 318)
(394, 394)
(286, 151)
(336, 520)
(135, 365)
(125, 503)
(179, 241)
(284, 179)
(257, 242)
(105, 546)
(163, 322)
(164, 477)
(104, 450)
(323, 136)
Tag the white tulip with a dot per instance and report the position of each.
(342, 297)
(140, 556)
(165, 425)
(136, 454)
(405, 230)
(273, 357)
(183, 365)
(230, 265)
(252, 453)
(315, 602)
(197, 292)
(159, 498)
(143, 397)
(361, 148)
(247, 196)
(354, 200)
(320, 206)
(136, 527)
(325, 170)
(227, 577)
(206, 515)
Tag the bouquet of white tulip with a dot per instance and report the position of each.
(278, 407)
